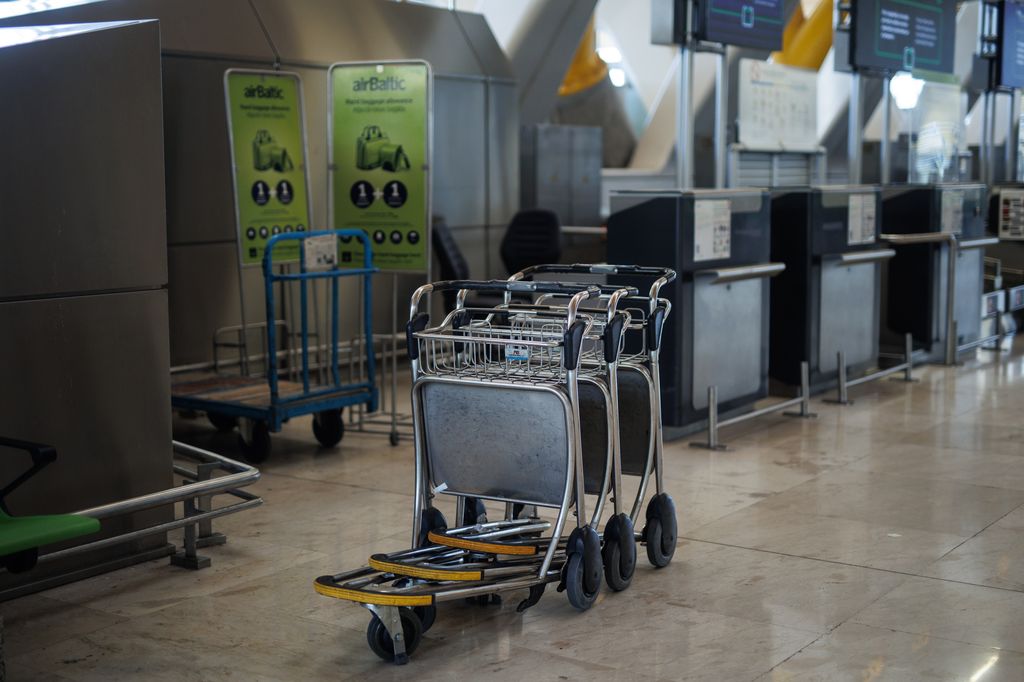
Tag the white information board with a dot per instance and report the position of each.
(953, 211)
(860, 225)
(778, 107)
(1011, 214)
(712, 229)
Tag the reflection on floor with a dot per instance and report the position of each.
(883, 540)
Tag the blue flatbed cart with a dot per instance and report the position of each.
(259, 405)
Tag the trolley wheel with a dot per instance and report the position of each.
(258, 448)
(222, 422)
(431, 518)
(583, 568)
(660, 533)
(619, 552)
(329, 427)
(393, 438)
(427, 616)
(379, 639)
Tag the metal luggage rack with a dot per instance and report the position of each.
(197, 493)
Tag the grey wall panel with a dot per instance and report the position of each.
(88, 375)
(503, 152)
(224, 27)
(317, 32)
(492, 58)
(460, 178)
(84, 159)
(200, 203)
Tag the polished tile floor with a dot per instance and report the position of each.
(881, 541)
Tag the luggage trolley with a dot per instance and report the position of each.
(481, 371)
(261, 404)
(636, 388)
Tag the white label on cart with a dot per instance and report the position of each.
(860, 227)
(515, 352)
(952, 211)
(321, 252)
(712, 229)
(1011, 214)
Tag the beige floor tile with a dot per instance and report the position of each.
(889, 547)
(858, 652)
(932, 505)
(982, 616)
(804, 594)
(966, 434)
(994, 557)
(36, 621)
(945, 464)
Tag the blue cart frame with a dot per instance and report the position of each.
(267, 411)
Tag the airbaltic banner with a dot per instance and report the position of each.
(379, 147)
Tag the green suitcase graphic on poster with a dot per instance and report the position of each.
(375, 150)
(267, 154)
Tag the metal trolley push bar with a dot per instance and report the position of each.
(263, 404)
(518, 371)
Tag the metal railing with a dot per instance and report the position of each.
(843, 384)
(803, 400)
(196, 494)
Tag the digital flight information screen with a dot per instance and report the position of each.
(1011, 44)
(903, 35)
(747, 23)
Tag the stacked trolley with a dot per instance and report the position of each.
(520, 403)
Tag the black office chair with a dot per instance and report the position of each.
(532, 238)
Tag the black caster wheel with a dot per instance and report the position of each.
(474, 512)
(430, 519)
(583, 568)
(427, 616)
(222, 422)
(328, 427)
(619, 552)
(258, 448)
(393, 438)
(660, 533)
(379, 639)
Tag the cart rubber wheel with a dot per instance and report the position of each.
(393, 438)
(583, 568)
(328, 427)
(257, 450)
(431, 518)
(427, 616)
(474, 512)
(619, 552)
(379, 639)
(222, 422)
(660, 533)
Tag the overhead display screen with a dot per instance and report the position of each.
(903, 35)
(1011, 44)
(747, 23)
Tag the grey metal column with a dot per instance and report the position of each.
(721, 116)
(1010, 152)
(684, 119)
(855, 134)
(885, 156)
(984, 146)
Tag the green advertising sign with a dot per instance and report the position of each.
(379, 160)
(268, 151)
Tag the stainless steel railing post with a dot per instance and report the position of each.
(908, 357)
(951, 334)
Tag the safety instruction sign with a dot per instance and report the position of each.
(1011, 213)
(952, 215)
(268, 157)
(379, 152)
(712, 229)
(860, 219)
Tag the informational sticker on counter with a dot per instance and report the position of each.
(861, 219)
(1011, 214)
(777, 106)
(952, 211)
(712, 229)
(268, 153)
(379, 151)
(320, 252)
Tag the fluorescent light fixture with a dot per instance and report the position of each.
(906, 90)
(617, 77)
